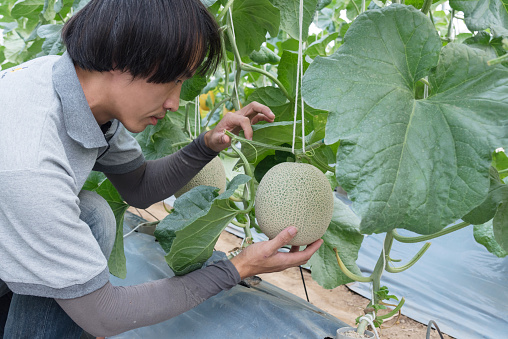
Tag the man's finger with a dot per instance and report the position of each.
(283, 238)
(257, 108)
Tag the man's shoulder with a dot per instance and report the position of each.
(38, 67)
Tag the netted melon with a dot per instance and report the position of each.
(213, 174)
(294, 194)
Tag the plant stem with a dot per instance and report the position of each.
(426, 6)
(450, 26)
(225, 10)
(212, 111)
(248, 171)
(380, 266)
(430, 236)
(413, 261)
(249, 68)
(181, 143)
(376, 276)
(394, 311)
(347, 272)
(225, 61)
(239, 224)
(187, 120)
(499, 60)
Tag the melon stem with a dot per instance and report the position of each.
(248, 171)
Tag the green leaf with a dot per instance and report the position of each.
(117, 262)
(500, 162)
(287, 71)
(498, 192)
(318, 47)
(276, 134)
(269, 96)
(159, 140)
(24, 7)
(484, 235)
(483, 14)
(407, 163)
(53, 44)
(500, 225)
(290, 16)
(94, 180)
(192, 87)
(354, 8)
(79, 4)
(208, 3)
(271, 160)
(188, 235)
(343, 234)
(48, 11)
(264, 56)
(252, 19)
(483, 41)
(14, 48)
(8, 26)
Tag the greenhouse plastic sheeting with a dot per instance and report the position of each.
(258, 311)
(457, 283)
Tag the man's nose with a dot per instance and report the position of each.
(172, 102)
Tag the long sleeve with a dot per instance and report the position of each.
(111, 310)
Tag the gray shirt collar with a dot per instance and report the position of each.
(79, 120)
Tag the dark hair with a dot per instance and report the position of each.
(160, 40)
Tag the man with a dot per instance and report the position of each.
(61, 117)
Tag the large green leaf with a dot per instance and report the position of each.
(407, 163)
(117, 262)
(343, 234)
(252, 19)
(484, 235)
(190, 232)
(290, 16)
(483, 14)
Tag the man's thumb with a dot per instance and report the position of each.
(284, 237)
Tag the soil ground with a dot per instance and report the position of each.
(340, 302)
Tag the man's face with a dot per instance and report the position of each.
(140, 103)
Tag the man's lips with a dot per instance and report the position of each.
(155, 118)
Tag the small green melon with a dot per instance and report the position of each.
(213, 174)
(294, 194)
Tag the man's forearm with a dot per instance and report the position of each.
(112, 309)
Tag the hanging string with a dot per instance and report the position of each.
(196, 116)
(299, 75)
(370, 319)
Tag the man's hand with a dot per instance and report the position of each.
(264, 257)
(236, 121)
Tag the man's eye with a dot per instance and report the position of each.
(178, 81)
